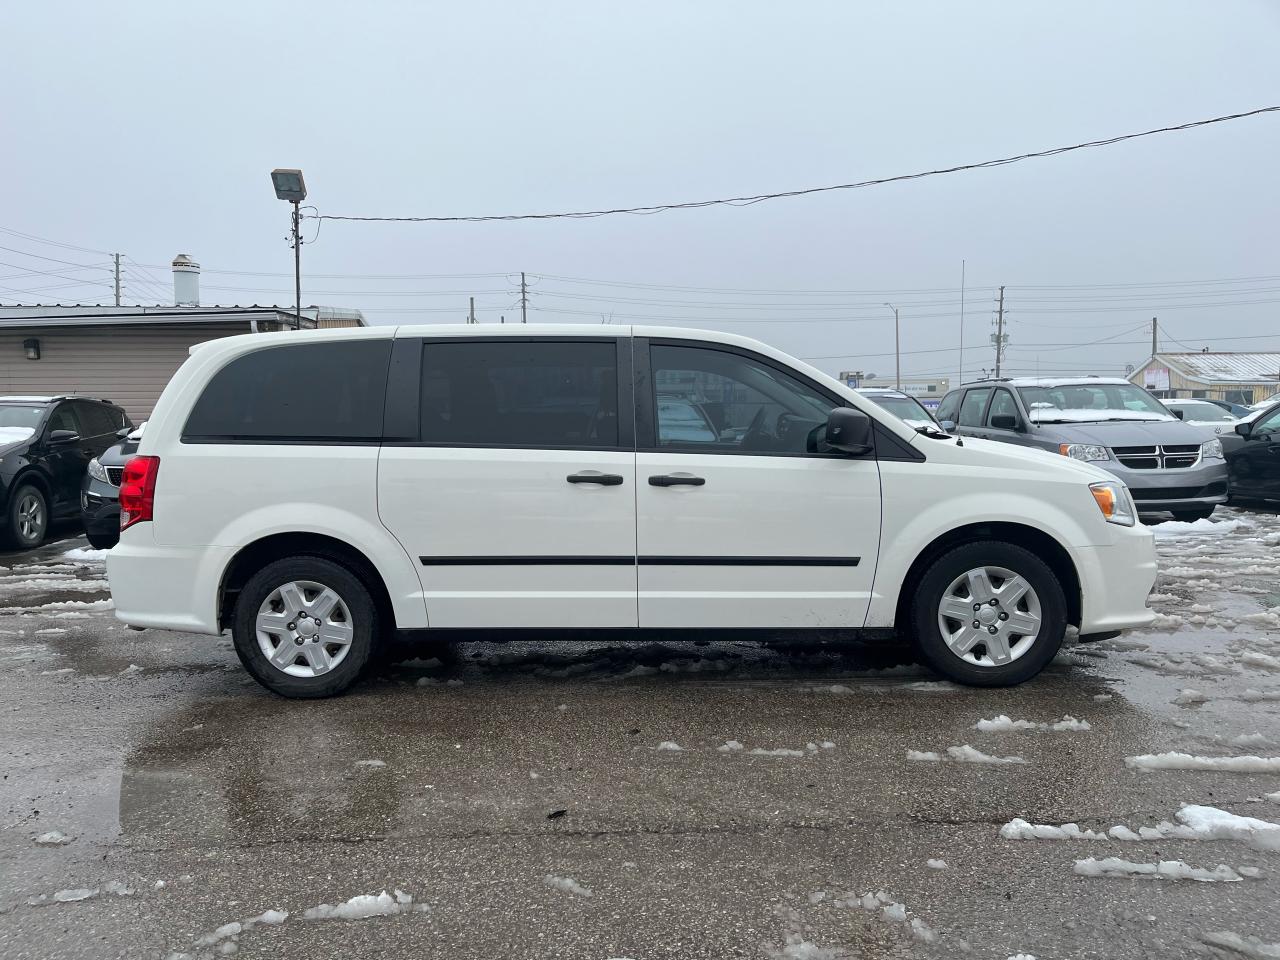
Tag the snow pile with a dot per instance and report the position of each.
(567, 884)
(669, 745)
(887, 908)
(364, 906)
(1196, 822)
(50, 585)
(84, 553)
(53, 838)
(1260, 660)
(936, 864)
(1250, 947)
(1185, 761)
(1188, 697)
(967, 754)
(1003, 724)
(796, 947)
(1177, 528)
(730, 746)
(1163, 870)
(227, 936)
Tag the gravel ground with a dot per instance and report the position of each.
(639, 800)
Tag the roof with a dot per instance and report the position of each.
(1224, 367)
(68, 315)
(61, 396)
(1050, 381)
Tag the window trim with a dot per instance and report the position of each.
(404, 385)
(646, 401)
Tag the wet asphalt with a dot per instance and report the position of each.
(482, 785)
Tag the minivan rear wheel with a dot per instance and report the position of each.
(989, 614)
(305, 627)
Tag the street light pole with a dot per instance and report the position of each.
(897, 349)
(297, 270)
(290, 186)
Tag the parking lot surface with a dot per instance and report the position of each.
(647, 800)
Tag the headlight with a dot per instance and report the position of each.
(1113, 500)
(1083, 451)
(98, 471)
(1211, 450)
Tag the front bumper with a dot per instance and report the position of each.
(100, 507)
(1157, 491)
(1115, 581)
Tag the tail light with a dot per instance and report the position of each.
(138, 490)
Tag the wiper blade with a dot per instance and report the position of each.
(933, 432)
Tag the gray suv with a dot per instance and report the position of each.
(1169, 466)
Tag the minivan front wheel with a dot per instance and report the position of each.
(305, 627)
(989, 614)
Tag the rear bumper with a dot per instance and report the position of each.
(165, 587)
(1115, 581)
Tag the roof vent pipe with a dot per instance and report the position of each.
(186, 281)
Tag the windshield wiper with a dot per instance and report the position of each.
(931, 431)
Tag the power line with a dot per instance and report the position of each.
(760, 197)
(53, 243)
(49, 273)
(69, 263)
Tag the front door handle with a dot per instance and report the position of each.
(604, 479)
(676, 480)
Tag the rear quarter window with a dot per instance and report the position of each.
(315, 392)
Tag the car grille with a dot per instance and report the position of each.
(1176, 456)
(1215, 489)
(115, 475)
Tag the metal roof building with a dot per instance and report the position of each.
(1236, 377)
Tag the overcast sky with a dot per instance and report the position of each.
(151, 129)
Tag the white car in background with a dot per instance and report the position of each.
(1202, 413)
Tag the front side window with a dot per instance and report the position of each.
(95, 419)
(64, 418)
(1269, 423)
(948, 408)
(311, 393)
(1002, 404)
(975, 401)
(725, 402)
(541, 393)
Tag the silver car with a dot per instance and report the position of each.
(1170, 466)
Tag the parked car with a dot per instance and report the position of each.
(100, 491)
(1235, 409)
(1265, 404)
(1169, 466)
(1200, 412)
(314, 492)
(903, 405)
(1253, 455)
(46, 444)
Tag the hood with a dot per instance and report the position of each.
(994, 453)
(11, 437)
(1129, 433)
(120, 454)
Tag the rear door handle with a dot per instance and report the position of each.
(604, 479)
(675, 480)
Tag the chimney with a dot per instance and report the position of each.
(186, 281)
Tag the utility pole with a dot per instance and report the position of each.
(999, 338)
(116, 256)
(524, 299)
(897, 351)
(471, 313)
(1155, 344)
(961, 379)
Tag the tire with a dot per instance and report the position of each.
(1043, 605)
(1190, 516)
(27, 518)
(102, 541)
(332, 644)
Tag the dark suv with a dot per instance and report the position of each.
(46, 444)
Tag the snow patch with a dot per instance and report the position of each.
(1185, 761)
(1003, 723)
(53, 838)
(364, 906)
(779, 752)
(923, 755)
(567, 884)
(85, 553)
(1188, 697)
(669, 745)
(730, 746)
(1196, 822)
(936, 864)
(1162, 870)
(968, 754)
(371, 763)
(1250, 947)
(1212, 528)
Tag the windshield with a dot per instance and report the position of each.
(1199, 410)
(1080, 402)
(18, 423)
(903, 407)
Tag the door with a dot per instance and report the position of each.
(514, 490)
(973, 409)
(1255, 466)
(1003, 405)
(740, 522)
(68, 460)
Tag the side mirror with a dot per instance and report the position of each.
(849, 431)
(63, 437)
(1244, 429)
(948, 426)
(1004, 421)
(1180, 414)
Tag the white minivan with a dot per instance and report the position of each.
(320, 493)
